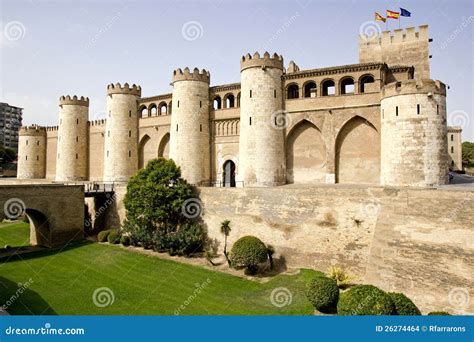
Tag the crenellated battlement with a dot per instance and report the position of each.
(100, 122)
(423, 86)
(74, 100)
(32, 130)
(52, 128)
(267, 61)
(187, 75)
(117, 88)
(410, 34)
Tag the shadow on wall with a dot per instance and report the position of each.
(19, 299)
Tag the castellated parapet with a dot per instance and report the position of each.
(261, 143)
(72, 156)
(413, 133)
(117, 88)
(189, 139)
(402, 47)
(74, 100)
(121, 132)
(32, 152)
(255, 61)
(187, 75)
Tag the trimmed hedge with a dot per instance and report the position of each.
(102, 236)
(125, 240)
(114, 237)
(439, 313)
(323, 293)
(365, 300)
(248, 251)
(404, 305)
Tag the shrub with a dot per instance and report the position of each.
(323, 293)
(403, 305)
(365, 300)
(7, 247)
(113, 237)
(248, 252)
(102, 236)
(439, 313)
(340, 276)
(125, 240)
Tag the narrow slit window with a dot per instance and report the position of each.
(396, 111)
(417, 109)
(274, 93)
(130, 113)
(129, 133)
(77, 156)
(37, 158)
(77, 121)
(26, 157)
(250, 121)
(437, 109)
(178, 104)
(250, 93)
(107, 153)
(200, 104)
(77, 139)
(176, 127)
(200, 127)
(129, 154)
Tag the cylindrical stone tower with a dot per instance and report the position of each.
(261, 148)
(413, 139)
(189, 132)
(31, 152)
(121, 132)
(72, 155)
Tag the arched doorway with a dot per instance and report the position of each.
(163, 149)
(358, 152)
(39, 228)
(228, 177)
(305, 154)
(145, 152)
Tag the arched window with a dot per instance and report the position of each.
(228, 176)
(143, 111)
(152, 110)
(217, 103)
(310, 89)
(292, 92)
(328, 88)
(364, 81)
(170, 106)
(238, 99)
(346, 86)
(229, 101)
(163, 108)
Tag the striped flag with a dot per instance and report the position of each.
(379, 17)
(393, 14)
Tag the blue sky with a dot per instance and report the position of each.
(54, 48)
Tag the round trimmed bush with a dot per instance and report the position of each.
(439, 313)
(125, 240)
(248, 252)
(102, 236)
(323, 293)
(365, 300)
(404, 305)
(114, 237)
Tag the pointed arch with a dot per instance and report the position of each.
(143, 155)
(305, 154)
(358, 152)
(163, 148)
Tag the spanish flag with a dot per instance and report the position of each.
(378, 17)
(393, 14)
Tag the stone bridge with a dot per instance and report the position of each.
(55, 211)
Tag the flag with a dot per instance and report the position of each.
(404, 12)
(378, 17)
(393, 14)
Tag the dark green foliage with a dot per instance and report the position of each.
(102, 236)
(323, 293)
(404, 305)
(7, 155)
(225, 229)
(113, 237)
(439, 313)
(155, 216)
(365, 300)
(125, 240)
(468, 153)
(248, 252)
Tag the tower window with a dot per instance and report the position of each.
(452, 149)
(129, 154)
(37, 142)
(452, 137)
(130, 113)
(77, 156)
(77, 139)
(178, 104)
(176, 127)
(107, 153)
(396, 111)
(250, 93)
(129, 133)
(37, 158)
(27, 142)
(250, 121)
(274, 93)
(200, 127)
(26, 157)
(77, 121)
(437, 109)
(200, 104)
(417, 109)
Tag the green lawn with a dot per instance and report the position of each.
(63, 282)
(14, 234)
